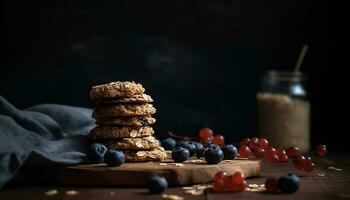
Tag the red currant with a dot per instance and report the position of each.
(253, 143)
(259, 152)
(280, 152)
(219, 140)
(283, 158)
(300, 162)
(320, 146)
(271, 184)
(244, 151)
(245, 141)
(207, 140)
(263, 143)
(293, 152)
(273, 159)
(241, 187)
(309, 166)
(219, 186)
(220, 176)
(308, 158)
(205, 133)
(321, 150)
(238, 177)
(269, 152)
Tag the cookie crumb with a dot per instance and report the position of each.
(335, 169)
(253, 187)
(321, 174)
(195, 191)
(177, 164)
(72, 192)
(51, 192)
(163, 164)
(172, 197)
(111, 193)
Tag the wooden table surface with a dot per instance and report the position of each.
(333, 185)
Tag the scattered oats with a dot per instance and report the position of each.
(197, 187)
(259, 189)
(338, 169)
(163, 164)
(177, 164)
(335, 169)
(203, 187)
(195, 161)
(51, 192)
(321, 174)
(172, 197)
(72, 192)
(188, 187)
(111, 193)
(253, 185)
(195, 192)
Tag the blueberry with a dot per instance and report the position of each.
(181, 143)
(157, 184)
(188, 145)
(180, 154)
(114, 158)
(191, 147)
(230, 152)
(288, 183)
(96, 152)
(213, 155)
(199, 149)
(212, 146)
(168, 143)
(143, 121)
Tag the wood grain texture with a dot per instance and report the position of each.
(137, 174)
(334, 185)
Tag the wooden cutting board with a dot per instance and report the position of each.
(136, 174)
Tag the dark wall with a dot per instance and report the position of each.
(200, 60)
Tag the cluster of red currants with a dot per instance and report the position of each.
(230, 183)
(206, 136)
(260, 148)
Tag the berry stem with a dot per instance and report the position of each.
(179, 137)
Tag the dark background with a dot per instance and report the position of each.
(200, 60)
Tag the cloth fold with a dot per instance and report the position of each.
(45, 134)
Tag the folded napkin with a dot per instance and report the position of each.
(45, 134)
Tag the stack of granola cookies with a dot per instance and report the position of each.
(123, 116)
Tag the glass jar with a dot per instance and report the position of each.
(284, 110)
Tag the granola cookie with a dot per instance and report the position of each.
(112, 132)
(143, 98)
(126, 121)
(123, 110)
(144, 143)
(156, 154)
(116, 89)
